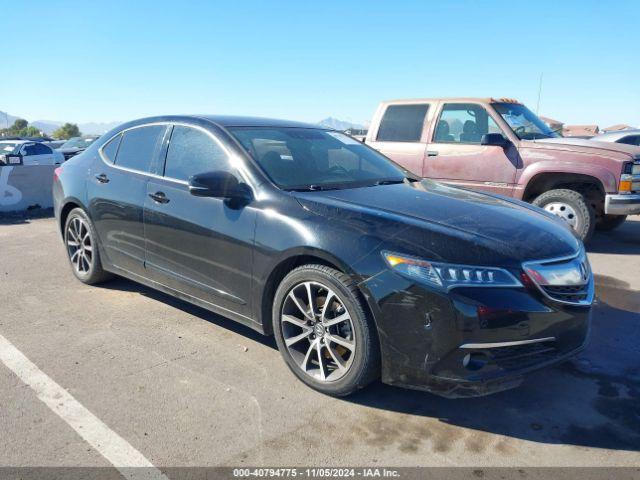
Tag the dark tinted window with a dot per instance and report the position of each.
(630, 140)
(192, 151)
(41, 149)
(402, 123)
(310, 158)
(110, 150)
(139, 147)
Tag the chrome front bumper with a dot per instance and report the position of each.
(622, 204)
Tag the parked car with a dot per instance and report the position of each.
(500, 146)
(25, 152)
(630, 137)
(357, 266)
(55, 144)
(75, 145)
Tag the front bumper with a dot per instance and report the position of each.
(471, 341)
(622, 204)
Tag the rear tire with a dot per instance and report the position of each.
(334, 356)
(610, 222)
(573, 207)
(80, 241)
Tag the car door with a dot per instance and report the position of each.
(201, 246)
(36, 154)
(455, 154)
(117, 187)
(400, 135)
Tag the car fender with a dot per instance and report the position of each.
(602, 174)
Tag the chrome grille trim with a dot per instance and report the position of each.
(585, 292)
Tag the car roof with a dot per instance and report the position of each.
(450, 99)
(225, 121)
(240, 121)
(17, 142)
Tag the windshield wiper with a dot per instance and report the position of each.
(389, 181)
(311, 188)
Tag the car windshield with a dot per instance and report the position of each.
(7, 148)
(78, 142)
(315, 159)
(524, 123)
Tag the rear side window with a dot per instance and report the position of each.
(192, 151)
(110, 150)
(402, 123)
(139, 146)
(630, 140)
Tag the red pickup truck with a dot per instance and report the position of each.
(500, 146)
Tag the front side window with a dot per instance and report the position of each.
(524, 123)
(402, 123)
(139, 146)
(41, 149)
(463, 123)
(315, 159)
(29, 149)
(192, 151)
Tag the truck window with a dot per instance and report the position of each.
(463, 123)
(402, 123)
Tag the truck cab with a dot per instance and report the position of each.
(499, 146)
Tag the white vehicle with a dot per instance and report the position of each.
(25, 152)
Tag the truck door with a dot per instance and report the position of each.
(456, 156)
(401, 135)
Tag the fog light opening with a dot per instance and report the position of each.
(474, 361)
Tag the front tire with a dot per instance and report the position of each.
(610, 222)
(323, 331)
(572, 207)
(82, 248)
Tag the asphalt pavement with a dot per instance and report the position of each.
(90, 373)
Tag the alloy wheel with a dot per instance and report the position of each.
(79, 245)
(318, 331)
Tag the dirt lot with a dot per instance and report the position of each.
(182, 386)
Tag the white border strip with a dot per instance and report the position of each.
(108, 443)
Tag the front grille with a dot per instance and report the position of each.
(521, 356)
(572, 294)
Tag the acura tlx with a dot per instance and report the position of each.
(357, 267)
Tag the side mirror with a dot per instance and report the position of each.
(11, 159)
(218, 185)
(494, 140)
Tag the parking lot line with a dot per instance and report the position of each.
(122, 455)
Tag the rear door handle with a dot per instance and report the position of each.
(102, 178)
(159, 197)
(432, 153)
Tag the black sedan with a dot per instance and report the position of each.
(359, 269)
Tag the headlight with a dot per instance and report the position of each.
(447, 275)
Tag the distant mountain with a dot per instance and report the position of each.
(48, 126)
(339, 124)
(6, 120)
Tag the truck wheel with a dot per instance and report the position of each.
(572, 207)
(610, 222)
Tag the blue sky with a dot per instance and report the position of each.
(306, 60)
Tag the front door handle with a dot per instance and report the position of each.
(102, 178)
(159, 197)
(432, 153)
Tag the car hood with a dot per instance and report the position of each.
(446, 222)
(609, 149)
